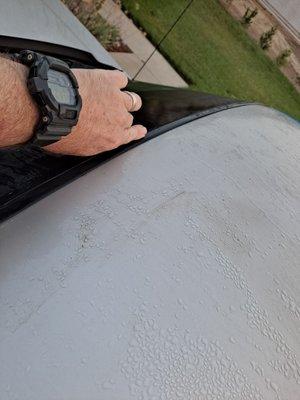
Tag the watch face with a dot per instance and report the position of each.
(61, 87)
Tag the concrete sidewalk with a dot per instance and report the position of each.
(157, 70)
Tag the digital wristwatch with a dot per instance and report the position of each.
(54, 89)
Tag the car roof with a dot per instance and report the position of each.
(49, 21)
(172, 270)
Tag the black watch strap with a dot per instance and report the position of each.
(51, 134)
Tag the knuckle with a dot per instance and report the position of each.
(124, 78)
(130, 120)
(120, 77)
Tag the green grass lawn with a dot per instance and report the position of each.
(213, 52)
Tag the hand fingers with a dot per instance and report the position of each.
(132, 101)
(129, 120)
(135, 132)
(118, 78)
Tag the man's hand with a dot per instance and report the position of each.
(105, 121)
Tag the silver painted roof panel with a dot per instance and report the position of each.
(171, 272)
(49, 21)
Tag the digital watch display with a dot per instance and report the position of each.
(61, 87)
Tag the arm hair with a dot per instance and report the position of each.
(18, 112)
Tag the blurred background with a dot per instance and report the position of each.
(245, 49)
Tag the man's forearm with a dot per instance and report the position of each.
(18, 113)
